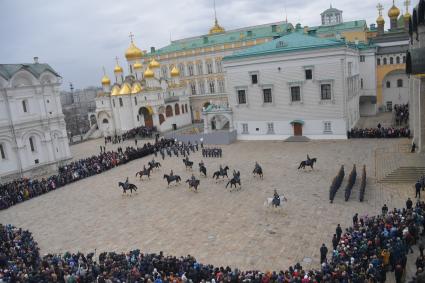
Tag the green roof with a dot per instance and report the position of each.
(292, 42)
(8, 70)
(238, 35)
(345, 26)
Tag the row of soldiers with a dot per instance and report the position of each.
(212, 152)
(177, 149)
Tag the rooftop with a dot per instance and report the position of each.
(237, 35)
(291, 42)
(351, 25)
(8, 70)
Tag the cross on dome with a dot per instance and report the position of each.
(380, 8)
(131, 36)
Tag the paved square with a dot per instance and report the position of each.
(214, 225)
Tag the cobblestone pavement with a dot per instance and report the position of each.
(215, 225)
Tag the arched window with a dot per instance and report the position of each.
(185, 107)
(176, 109)
(391, 60)
(24, 106)
(32, 144)
(397, 60)
(2, 151)
(182, 108)
(399, 83)
(169, 111)
(385, 61)
(361, 83)
(388, 84)
(378, 61)
(105, 121)
(161, 118)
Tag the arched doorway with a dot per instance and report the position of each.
(161, 119)
(92, 119)
(147, 115)
(298, 127)
(219, 122)
(169, 111)
(176, 109)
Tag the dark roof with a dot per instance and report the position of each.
(391, 36)
(8, 70)
(392, 49)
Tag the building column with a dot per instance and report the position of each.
(421, 94)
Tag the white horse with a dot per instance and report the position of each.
(269, 201)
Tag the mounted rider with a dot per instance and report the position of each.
(201, 164)
(171, 173)
(221, 170)
(126, 183)
(276, 199)
(193, 179)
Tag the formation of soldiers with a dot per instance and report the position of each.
(212, 152)
(178, 149)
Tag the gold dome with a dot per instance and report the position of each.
(115, 90)
(106, 80)
(148, 73)
(154, 64)
(138, 65)
(118, 69)
(133, 52)
(136, 88)
(394, 12)
(216, 28)
(125, 89)
(175, 72)
(407, 16)
(380, 20)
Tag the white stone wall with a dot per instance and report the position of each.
(41, 120)
(395, 94)
(367, 71)
(280, 72)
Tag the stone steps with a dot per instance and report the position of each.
(407, 174)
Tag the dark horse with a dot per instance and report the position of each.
(222, 173)
(188, 163)
(235, 180)
(193, 184)
(154, 164)
(145, 171)
(174, 178)
(203, 169)
(130, 187)
(308, 162)
(258, 171)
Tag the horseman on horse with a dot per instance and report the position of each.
(309, 162)
(202, 168)
(276, 199)
(258, 170)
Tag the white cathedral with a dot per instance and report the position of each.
(33, 138)
(143, 97)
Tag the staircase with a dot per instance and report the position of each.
(90, 132)
(404, 174)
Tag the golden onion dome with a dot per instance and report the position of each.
(136, 88)
(138, 65)
(115, 90)
(380, 20)
(125, 89)
(154, 64)
(175, 72)
(106, 80)
(394, 12)
(118, 69)
(407, 16)
(148, 73)
(216, 28)
(133, 52)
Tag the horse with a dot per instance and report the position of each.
(145, 171)
(188, 163)
(269, 201)
(193, 184)
(258, 171)
(203, 169)
(130, 187)
(309, 162)
(235, 180)
(222, 173)
(154, 164)
(174, 178)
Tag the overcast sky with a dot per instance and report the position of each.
(78, 37)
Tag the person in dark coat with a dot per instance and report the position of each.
(418, 187)
(335, 242)
(338, 232)
(323, 253)
(409, 203)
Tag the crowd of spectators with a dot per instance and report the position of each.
(142, 131)
(25, 188)
(379, 132)
(366, 252)
(401, 114)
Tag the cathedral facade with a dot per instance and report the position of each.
(143, 97)
(33, 137)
